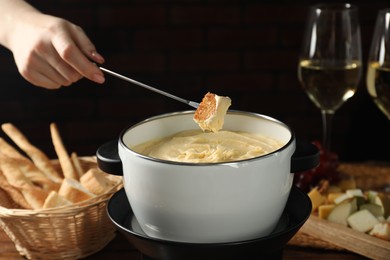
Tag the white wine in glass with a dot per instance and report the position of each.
(330, 62)
(378, 67)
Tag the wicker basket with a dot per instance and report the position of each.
(369, 175)
(68, 232)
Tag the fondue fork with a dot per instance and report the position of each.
(188, 102)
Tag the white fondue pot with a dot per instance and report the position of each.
(207, 202)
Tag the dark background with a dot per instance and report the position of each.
(247, 50)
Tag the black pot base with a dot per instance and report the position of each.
(296, 213)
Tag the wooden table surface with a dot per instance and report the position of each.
(120, 248)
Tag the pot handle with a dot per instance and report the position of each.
(108, 159)
(305, 157)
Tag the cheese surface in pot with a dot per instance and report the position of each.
(196, 146)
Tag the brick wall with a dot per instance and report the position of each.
(247, 50)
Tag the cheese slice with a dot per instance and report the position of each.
(324, 210)
(332, 196)
(316, 198)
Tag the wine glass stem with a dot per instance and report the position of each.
(327, 120)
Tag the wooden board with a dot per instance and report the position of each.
(347, 238)
(320, 233)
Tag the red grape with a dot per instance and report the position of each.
(326, 170)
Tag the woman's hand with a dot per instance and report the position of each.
(49, 52)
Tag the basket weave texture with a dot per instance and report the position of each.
(368, 176)
(68, 232)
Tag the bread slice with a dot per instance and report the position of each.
(34, 196)
(73, 191)
(210, 114)
(96, 181)
(55, 200)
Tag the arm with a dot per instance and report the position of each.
(49, 52)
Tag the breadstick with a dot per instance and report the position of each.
(12, 173)
(28, 168)
(36, 176)
(10, 151)
(77, 164)
(37, 156)
(33, 195)
(63, 156)
(6, 201)
(14, 193)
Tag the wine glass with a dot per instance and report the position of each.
(378, 67)
(330, 62)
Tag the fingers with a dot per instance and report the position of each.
(47, 78)
(74, 47)
(97, 57)
(48, 69)
(42, 80)
(45, 68)
(84, 44)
